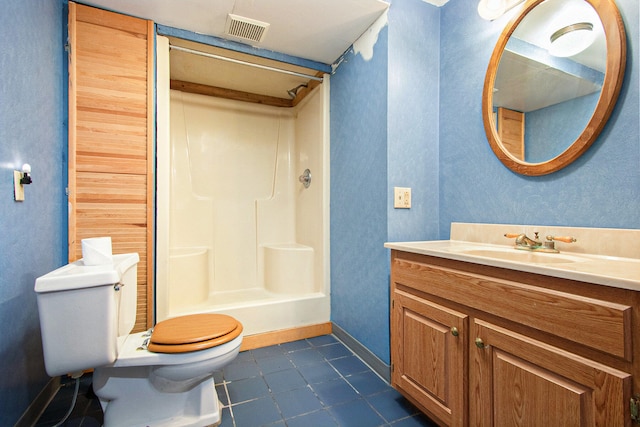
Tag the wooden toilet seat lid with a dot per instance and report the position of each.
(193, 332)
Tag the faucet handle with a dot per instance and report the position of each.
(566, 239)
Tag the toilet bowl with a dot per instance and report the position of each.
(162, 377)
(145, 388)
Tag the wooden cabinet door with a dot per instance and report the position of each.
(111, 122)
(428, 355)
(518, 381)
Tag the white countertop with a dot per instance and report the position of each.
(611, 271)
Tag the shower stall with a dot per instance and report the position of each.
(242, 208)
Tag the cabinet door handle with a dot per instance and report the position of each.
(454, 331)
(480, 343)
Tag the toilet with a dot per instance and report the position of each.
(160, 377)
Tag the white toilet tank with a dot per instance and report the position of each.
(83, 310)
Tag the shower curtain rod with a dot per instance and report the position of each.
(237, 61)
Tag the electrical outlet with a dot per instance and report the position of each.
(407, 198)
(401, 197)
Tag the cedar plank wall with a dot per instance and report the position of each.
(111, 183)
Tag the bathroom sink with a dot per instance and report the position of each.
(607, 257)
(521, 256)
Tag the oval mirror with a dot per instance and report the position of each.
(552, 82)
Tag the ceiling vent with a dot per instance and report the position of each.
(246, 28)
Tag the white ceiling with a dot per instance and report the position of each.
(317, 30)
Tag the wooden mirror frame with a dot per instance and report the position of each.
(614, 75)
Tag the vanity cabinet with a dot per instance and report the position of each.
(485, 346)
(429, 354)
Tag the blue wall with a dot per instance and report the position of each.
(413, 118)
(359, 197)
(601, 189)
(32, 242)
(384, 133)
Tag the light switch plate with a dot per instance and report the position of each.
(18, 189)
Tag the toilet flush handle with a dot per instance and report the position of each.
(144, 346)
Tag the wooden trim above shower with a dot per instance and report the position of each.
(111, 125)
(238, 95)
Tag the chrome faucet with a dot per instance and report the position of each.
(550, 246)
(523, 241)
(527, 243)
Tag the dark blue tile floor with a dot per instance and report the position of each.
(314, 382)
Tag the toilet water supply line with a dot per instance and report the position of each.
(73, 401)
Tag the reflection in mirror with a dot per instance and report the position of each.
(541, 103)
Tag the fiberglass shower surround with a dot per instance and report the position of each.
(233, 192)
(242, 229)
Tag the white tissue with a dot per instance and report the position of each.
(97, 251)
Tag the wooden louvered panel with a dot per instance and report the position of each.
(111, 145)
(111, 73)
(125, 123)
(116, 216)
(93, 123)
(111, 165)
(125, 229)
(110, 138)
(93, 47)
(110, 79)
(120, 143)
(111, 188)
(99, 99)
(111, 20)
(98, 92)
